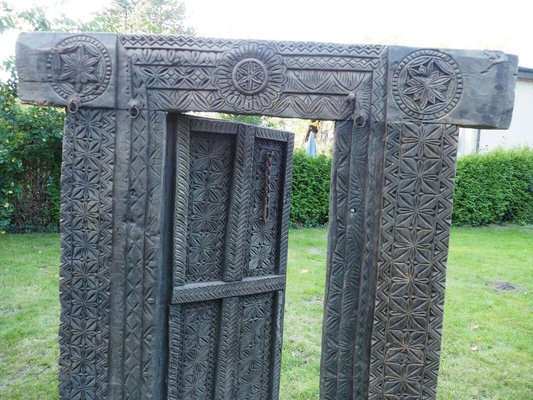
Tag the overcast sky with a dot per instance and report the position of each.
(496, 25)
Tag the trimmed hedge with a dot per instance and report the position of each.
(494, 188)
(310, 189)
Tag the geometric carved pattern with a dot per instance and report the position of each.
(198, 346)
(254, 351)
(79, 65)
(86, 227)
(265, 207)
(419, 178)
(210, 174)
(199, 74)
(427, 84)
(400, 330)
(138, 267)
(250, 76)
(345, 294)
(226, 306)
(219, 289)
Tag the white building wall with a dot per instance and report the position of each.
(520, 133)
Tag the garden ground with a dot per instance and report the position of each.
(488, 327)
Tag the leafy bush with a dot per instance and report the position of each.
(310, 189)
(30, 162)
(494, 187)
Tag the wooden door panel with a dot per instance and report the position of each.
(230, 217)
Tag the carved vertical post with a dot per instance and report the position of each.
(419, 175)
(390, 217)
(86, 242)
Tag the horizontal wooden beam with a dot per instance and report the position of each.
(218, 289)
(294, 79)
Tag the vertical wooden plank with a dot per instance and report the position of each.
(194, 332)
(86, 246)
(279, 296)
(255, 347)
(418, 190)
(277, 345)
(285, 202)
(337, 244)
(366, 299)
(65, 270)
(226, 378)
(352, 283)
(181, 200)
(175, 351)
(152, 255)
(165, 266)
(237, 241)
(118, 271)
(134, 256)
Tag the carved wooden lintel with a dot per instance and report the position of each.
(286, 79)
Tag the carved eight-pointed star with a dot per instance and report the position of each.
(79, 67)
(427, 84)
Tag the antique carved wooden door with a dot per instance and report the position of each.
(230, 219)
(174, 229)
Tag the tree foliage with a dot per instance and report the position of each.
(142, 16)
(129, 16)
(30, 159)
(259, 120)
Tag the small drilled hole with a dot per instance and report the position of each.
(360, 121)
(134, 111)
(72, 107)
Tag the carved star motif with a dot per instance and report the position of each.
(79, 67)
(427, 84)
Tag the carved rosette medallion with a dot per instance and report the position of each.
(427, 84)
(79, 66)
(250, 77)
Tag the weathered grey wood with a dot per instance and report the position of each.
(297, 79)
(482, 97)
(48, 79)
(227, 294)
(135, 286)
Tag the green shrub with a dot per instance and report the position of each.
(494, 188)
(310, 189)
(30, 162)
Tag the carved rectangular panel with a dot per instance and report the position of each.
(289, 79)
(419, 175)
(228, 267)
(210, 168)
(86, 243)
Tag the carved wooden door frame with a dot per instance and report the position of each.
(398, 111)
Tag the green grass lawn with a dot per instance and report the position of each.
(488, 334)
